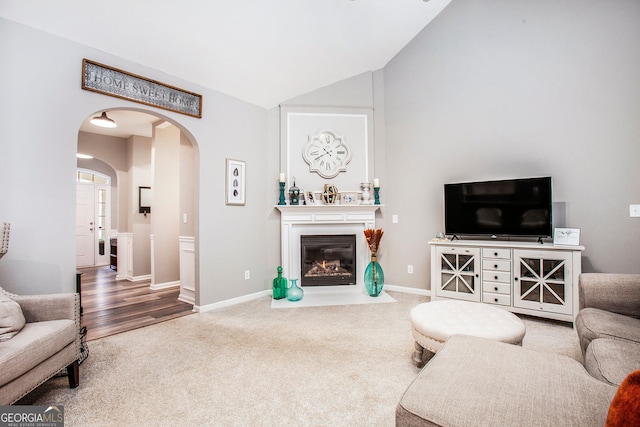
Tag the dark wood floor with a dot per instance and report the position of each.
(111, 306)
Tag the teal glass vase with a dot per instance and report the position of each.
(280, 285)
(373, 278)
(294, 292)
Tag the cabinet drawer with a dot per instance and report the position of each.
(496, 276)
(496, 253)
(498, 288)
(500, 299)
(496, 264)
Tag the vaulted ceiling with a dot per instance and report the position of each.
(263, 52)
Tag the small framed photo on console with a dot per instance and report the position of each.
(349, 198)
(309, 199)
(566, 236)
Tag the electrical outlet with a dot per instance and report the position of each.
(410, 269)
(394, 219)
(247, 275)
(634, 211)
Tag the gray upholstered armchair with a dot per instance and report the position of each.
(35, 348)
(39, 337)
(608, 324)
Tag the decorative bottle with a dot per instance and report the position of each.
(373, 277)
(280, 285)
(294, 293)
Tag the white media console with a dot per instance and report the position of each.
(529, 278)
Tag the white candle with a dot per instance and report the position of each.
(376, 182)
(281, 176)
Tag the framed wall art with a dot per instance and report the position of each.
(111, 81)
(235, 182)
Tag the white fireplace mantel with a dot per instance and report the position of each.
(324, 219)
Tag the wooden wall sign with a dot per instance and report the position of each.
(121, 84)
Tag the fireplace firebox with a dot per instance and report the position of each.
(328, 259)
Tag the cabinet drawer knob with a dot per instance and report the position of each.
(496, 288)
(496, 299)
(495, 266)
(495, 254)
(495, 277)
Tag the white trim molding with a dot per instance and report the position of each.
(187, 269)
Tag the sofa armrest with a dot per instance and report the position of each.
(39, 308)
(617, 293)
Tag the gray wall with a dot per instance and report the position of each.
(504, 89)
(187, 186)
(165, 211)
(138, 225)
(40, 118)
(490, 89)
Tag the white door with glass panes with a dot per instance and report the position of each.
(92, 219)
(458, 273)
(542, 280)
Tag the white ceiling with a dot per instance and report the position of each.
(129, 123)
(263, 52)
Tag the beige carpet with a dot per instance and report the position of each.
(251, 365)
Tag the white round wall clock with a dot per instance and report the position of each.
(327, 154)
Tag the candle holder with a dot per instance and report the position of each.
(376, 195)
(365, 193)
(281, 201)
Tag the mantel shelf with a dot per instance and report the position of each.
(316, 208)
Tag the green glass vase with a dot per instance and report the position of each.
(280, 285)
(373, 278)
(294, 293)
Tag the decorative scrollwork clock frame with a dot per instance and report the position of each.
(327, 154)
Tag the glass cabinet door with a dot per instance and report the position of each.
(542, 281)
(459, 273)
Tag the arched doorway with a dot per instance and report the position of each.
(147, 150)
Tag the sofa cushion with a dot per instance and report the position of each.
(35, 343)
(611, 360)
(11, 317)
(625, 406)
(592, 323)
(477, 382)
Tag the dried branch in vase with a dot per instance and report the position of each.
(373, 239)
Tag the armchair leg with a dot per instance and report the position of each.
(73, 373)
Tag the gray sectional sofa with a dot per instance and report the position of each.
(477, 382)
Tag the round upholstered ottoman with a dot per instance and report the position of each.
(434, 322)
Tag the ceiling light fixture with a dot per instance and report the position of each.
(84, 156)
(103, 121)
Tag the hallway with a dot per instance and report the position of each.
(111, 306)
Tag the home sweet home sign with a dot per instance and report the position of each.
(121, 84)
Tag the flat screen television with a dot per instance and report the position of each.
(513, 207)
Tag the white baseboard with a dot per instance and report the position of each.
(230, 302)
(187, 299)
(139, 278)
(166, 285)
(407, 290)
